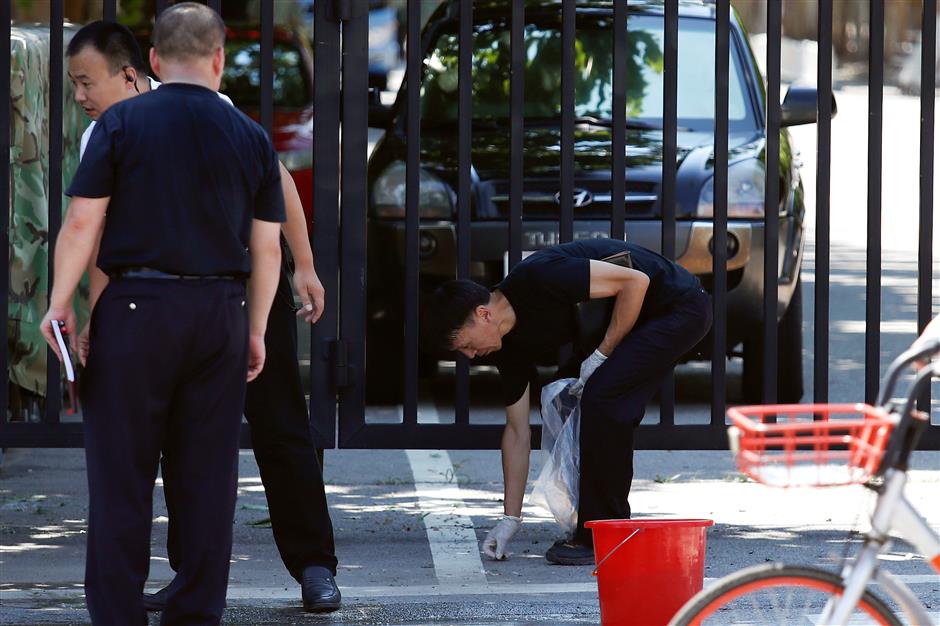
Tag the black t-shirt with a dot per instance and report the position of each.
(186, 172)
(544, 288)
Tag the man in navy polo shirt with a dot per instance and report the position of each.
(106, 66)
(174, 335)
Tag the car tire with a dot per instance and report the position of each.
(789, 357)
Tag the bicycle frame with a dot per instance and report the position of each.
(910, 604)
(893, 515)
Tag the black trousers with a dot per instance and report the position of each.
(615, 399)
(166, 371)
(284, 449)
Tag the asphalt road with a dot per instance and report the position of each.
(408, 524)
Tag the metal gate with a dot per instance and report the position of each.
(348, 249)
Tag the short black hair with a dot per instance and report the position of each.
(188, 30)
(448, 310)
(114, 41)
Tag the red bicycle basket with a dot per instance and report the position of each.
(805, 446)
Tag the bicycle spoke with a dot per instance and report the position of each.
(779, 595)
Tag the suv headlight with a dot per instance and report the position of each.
(745, 191)
(435, 198)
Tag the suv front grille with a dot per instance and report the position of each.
(591, 200)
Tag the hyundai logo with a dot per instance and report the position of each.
(581, 197)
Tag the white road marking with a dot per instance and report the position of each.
(451, 538)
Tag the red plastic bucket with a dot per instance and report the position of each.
(647, 568)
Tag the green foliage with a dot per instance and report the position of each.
(133, 12)
(491, 63)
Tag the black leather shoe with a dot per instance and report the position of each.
(570, 553)
(320, 593)
(157, 601)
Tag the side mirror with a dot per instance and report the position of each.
(799, 106)
(380, 115)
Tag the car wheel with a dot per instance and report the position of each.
(789, 357)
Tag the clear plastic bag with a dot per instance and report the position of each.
(556, 488)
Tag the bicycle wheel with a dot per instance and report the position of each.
(776, 594)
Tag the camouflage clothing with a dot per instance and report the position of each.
(29, 201)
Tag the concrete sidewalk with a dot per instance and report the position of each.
(408, 526)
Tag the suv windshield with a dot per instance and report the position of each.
(241, 79)
(593, 73)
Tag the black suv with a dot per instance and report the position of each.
(592, 160)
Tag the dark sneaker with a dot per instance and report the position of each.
(568, 553)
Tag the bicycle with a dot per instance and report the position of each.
(798, 445)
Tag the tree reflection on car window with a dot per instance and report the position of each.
(593, 72)
(241, 78)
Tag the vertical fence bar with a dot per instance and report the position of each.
(109, 10)
(928, 85)
(823, 184)
(326, 146)
(353, 199)
(566, 194)
(266, 72)
(464, 156)
(161, 5)
(568, 17)
(873, 257)
(667, 408)
(670, 124)
(267, 66)
(266, 69)
(720, 253)
(5, 217)
(516, 128)
(412, 180)
(216, 5)
(771, 201)
(56, 18)
(618, 140)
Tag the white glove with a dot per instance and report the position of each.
(494, 546)
(588, 366)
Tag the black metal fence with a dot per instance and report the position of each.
(341, 101)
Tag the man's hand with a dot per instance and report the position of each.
(497, 540)
(308, 286)
(255, 356)
(84, 344)
(588, 367)
(63, 314)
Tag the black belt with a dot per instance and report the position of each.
(152, 274)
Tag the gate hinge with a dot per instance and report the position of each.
(339, 359)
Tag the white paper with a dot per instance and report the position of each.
(64, 350)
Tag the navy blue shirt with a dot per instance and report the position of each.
(543, 289)
(185, 172)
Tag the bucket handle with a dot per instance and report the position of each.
(611, 553)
